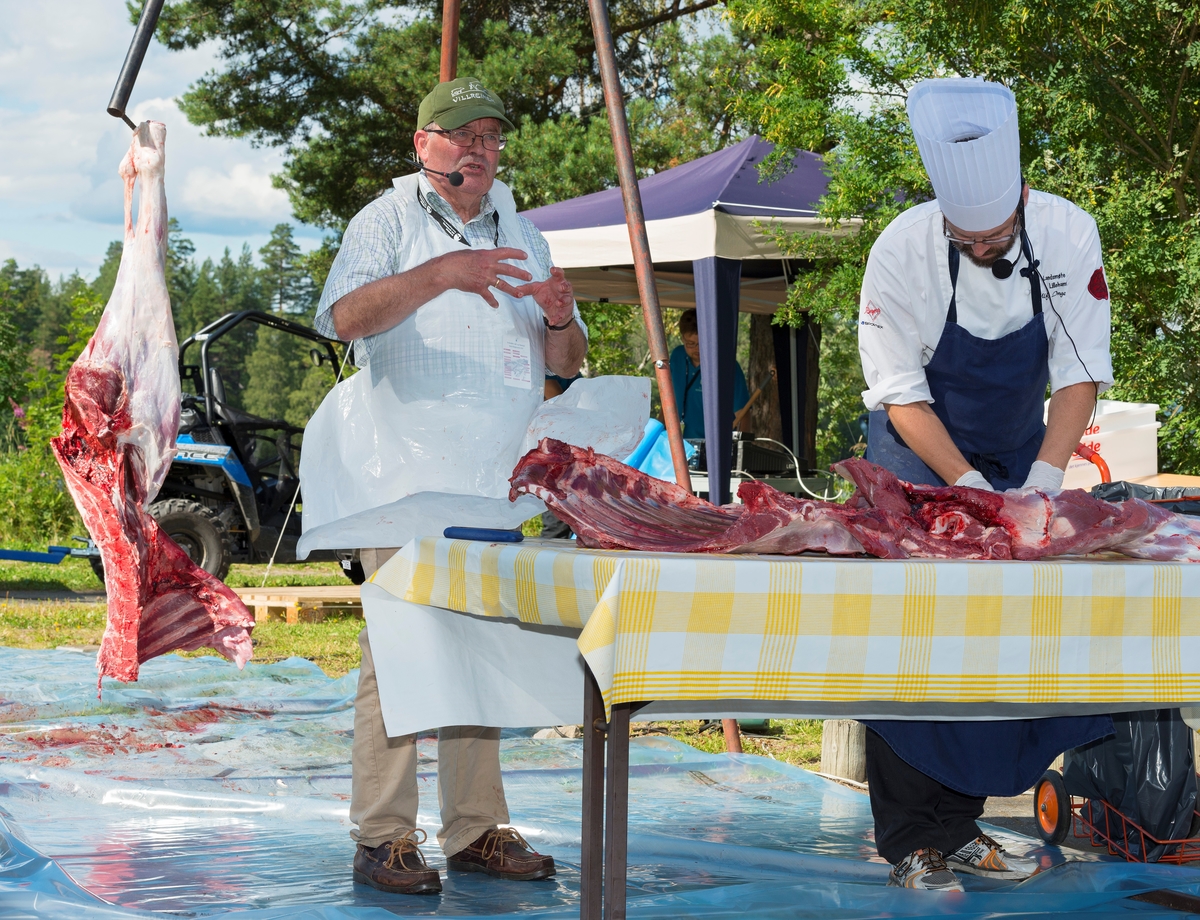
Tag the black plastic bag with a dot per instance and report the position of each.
(1169, 498)
(1145, 771)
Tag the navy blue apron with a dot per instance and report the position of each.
(989, 393)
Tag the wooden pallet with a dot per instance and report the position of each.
(302, 604)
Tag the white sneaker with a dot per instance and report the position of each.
(984, 856)
(924, 869)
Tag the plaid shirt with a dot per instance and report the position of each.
(371, 247)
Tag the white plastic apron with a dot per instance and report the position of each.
(446, 399)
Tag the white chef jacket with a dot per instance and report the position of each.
(906, 292)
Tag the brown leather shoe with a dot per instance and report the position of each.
(503, 853)
(397, 866)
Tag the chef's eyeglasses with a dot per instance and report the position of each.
(461, 137)
(993, 241)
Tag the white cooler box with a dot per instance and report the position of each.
(1126, 437)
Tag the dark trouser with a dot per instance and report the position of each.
(912, 810)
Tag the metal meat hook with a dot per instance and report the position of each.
(133, 61)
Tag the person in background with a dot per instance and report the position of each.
(685, 374)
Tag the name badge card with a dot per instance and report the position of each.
(518, 369)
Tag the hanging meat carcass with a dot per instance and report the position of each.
(120, 421)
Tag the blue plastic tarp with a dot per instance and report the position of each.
(653, 453)
(206, 790)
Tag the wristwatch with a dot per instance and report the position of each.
(565, 325)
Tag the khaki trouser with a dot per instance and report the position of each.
(383, 792)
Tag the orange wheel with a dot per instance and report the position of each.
(1052, 808)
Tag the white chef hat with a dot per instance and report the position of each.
(966, 130)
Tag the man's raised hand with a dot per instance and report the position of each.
(555, 296)
(476, 271)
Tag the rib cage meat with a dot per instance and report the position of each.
(611, 506)
(120, 421)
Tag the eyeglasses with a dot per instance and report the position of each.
(461, 137)
(994, 241)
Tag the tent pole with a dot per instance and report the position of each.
(450, 10)
(636, 220)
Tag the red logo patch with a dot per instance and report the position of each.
(872, 310)
(1097, 286)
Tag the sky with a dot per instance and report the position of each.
(60, 196)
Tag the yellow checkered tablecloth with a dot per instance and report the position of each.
(702, 627)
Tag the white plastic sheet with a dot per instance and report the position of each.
(428, 492)
(211, 792)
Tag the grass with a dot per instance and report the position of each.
(294, 574)
(72, 574)
(48, 624)
(794, 741)
(75, 574)
(332, 644)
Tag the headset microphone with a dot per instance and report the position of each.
(1002, 268)
(456, 178)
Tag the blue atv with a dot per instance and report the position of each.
(233, 491)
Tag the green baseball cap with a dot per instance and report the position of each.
(459, 102)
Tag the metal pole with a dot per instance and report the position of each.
(450, 11)
(133, 61)
(636, 220)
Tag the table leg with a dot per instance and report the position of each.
(616, 824)
(591, 860)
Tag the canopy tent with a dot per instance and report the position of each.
(703, 221)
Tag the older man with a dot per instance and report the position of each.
(455, 307)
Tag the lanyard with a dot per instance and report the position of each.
(451, 230)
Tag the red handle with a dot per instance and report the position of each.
(1088, 454)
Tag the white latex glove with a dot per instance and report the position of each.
(974, 479)
(1044, 475)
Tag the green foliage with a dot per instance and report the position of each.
(1110, 118)
(315, 383)
(106, 278)
(337, 85)
(617, 343)
(273, 370)
(287, 284)
(35, 507)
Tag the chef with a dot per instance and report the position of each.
(971, 305)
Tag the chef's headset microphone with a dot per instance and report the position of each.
(1003, 268)
(456, 178)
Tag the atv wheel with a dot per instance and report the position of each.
(97, 566)
(198, 532)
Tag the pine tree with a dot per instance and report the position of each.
(283, 274)
(106, 278)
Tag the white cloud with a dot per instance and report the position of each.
(60, 198)
(242, 193)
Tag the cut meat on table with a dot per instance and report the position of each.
(612, 506)
(120, 421)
